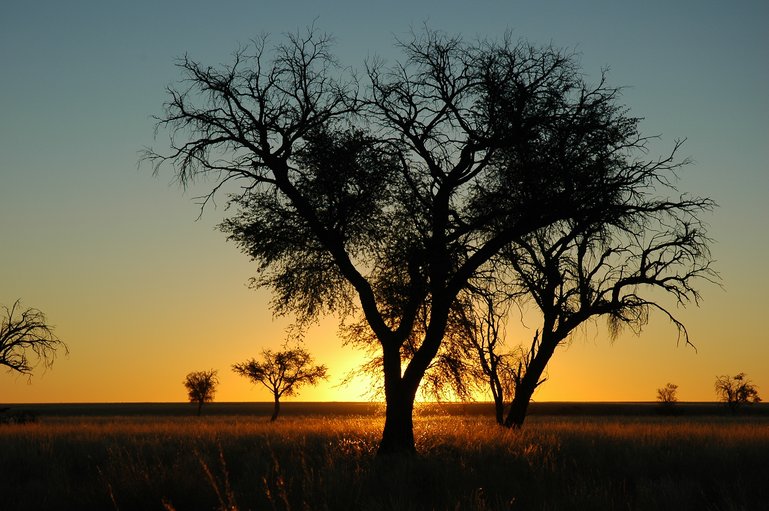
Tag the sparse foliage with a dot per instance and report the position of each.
(736, 391)
(621, 264)
(493, 367)
(201, 387)
(612, 265)
(666, 396)
(282, 373)
(491, 164)
(26, 339)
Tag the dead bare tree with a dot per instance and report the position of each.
(26, 339)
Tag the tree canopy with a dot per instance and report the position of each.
(386, 197)
(201, 387)
(736, 390)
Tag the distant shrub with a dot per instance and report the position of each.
(736, 391)
(666, 396)
(20, 417)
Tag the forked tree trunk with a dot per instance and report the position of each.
(400, 391)
(275, 409)
(398, 433)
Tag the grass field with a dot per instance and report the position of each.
(322, 457)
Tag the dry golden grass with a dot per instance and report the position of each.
(181, 463)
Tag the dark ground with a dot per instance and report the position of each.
(357, 408)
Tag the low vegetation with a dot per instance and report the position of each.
(327, 462)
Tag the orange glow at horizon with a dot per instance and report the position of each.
(589, 368)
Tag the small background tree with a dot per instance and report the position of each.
(666, 396)
(26, 339)
(282, 373)
(201, 387)
(736, 391)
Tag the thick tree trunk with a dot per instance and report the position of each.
(517, 413)
(398, 434)
(400, 391)
(200, 407)
(275, 409)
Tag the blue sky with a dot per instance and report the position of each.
(143, 292)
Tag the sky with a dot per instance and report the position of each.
(143, 291)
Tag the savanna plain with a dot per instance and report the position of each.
(323, 456)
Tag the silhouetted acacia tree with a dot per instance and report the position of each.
(385, 198)
(201, 387)
(621, 265)
(736, 391)
(282, 373)
(26, 339)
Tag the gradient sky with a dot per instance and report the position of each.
(143, 293)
